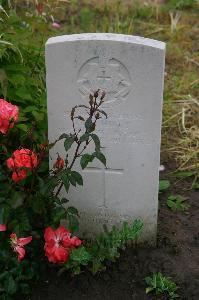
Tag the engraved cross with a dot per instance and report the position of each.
(104, 172)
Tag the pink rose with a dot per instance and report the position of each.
(3, 227)
(9, 115)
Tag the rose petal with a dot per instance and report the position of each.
(3, 227)
(24, 241)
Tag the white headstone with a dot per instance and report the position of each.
(130, 69)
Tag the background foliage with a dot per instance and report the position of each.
(24, 29)
(22, 74)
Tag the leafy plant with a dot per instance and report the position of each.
(160, 285)
(177, 203)
(163, 185)
(104, 248)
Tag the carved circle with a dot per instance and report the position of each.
(107, 74)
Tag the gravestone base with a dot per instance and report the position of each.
(91, 227)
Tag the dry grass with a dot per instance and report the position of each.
(180, 31)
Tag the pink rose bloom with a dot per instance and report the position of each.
(3, 227)
(9, 115)
(18, 245)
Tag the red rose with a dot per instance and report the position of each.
(58, 244)
(18, 245)
(21, 161)
(9, 115)
(25, 158)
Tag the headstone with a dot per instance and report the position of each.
(131, 70)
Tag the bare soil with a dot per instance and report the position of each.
(176, 255)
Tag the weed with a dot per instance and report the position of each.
(177, 203)
(161, 285)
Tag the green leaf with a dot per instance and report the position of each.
(22, 127)
(11, 286)
(39, 116)
(195, 185)
(96, 141)
(80, 255)
(23, 93)
(72, 210)
(149, 289)
(63, 136)
(85, 159)
(183, 174)
(2, 215)
(65, 179)
(69, 140)
(99, 155)
(59, 213)
(3, 82)
(72, 218)
(72, 179)
(64, 200)
(89, 125)
(77, 177)
(48, 187)
(84, 137)
(177, 203)
(163, 185)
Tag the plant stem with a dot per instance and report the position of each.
(70, 167)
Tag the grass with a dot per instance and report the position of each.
(177, 24)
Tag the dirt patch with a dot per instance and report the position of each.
(176, 256)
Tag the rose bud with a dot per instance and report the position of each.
(59, 164)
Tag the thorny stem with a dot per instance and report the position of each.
(93, 108)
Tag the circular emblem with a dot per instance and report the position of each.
(107, 74)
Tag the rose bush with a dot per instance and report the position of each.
(31, 207)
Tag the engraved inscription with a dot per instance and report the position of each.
(103, 216)
(122, 128)
(105, 73)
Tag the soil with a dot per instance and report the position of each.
(176, 255)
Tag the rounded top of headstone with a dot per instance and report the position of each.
(131, 39)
